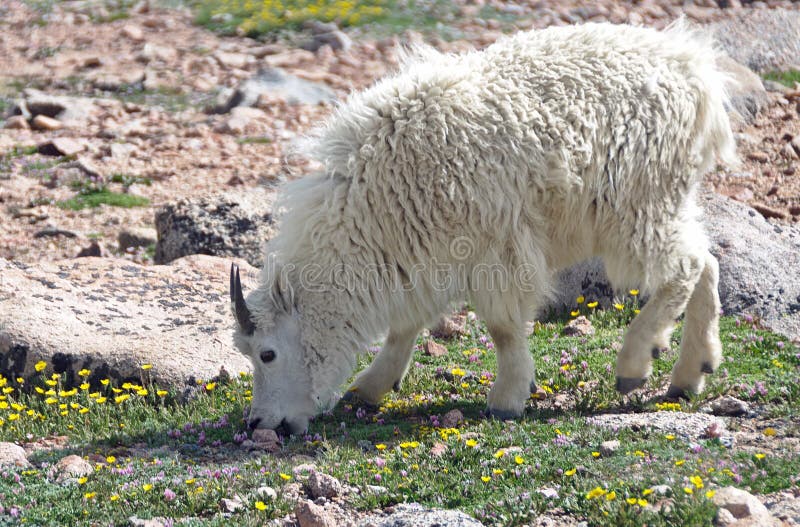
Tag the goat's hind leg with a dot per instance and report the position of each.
(649, 332)
(387, 369)
(701, 349)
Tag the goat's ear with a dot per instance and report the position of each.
(283, 295)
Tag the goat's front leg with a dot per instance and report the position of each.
(516, 373)
(387, 369)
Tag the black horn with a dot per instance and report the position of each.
(237, 298)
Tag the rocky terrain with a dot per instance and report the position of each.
(194, 132)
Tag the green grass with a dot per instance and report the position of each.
(787, 78)
(103, 197)
(490, 469)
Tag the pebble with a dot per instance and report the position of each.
(42, 122)
(267, 493)
(609, 448)
(133, 32)
(434, 349)
(729, 406)
(61, 146)
(579, 327)
(17, 122)
(452, 419)
(70, 467)
(310, 514)
(231, 504)
(323, 485)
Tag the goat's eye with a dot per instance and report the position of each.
(267, 356)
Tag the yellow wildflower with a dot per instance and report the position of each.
(84, 372)
(595, 493)
(485, 479)
(39, 366)
(619, 307)
(571, 472)
(634, 292)
(592, 305)
(380, 446)
(581, 299)
(471, 443)
(285, 477)
(611, 496)
(147, 366)
(260, 505)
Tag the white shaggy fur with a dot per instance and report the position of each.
(544, 149)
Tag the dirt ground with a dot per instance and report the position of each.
(150, 76)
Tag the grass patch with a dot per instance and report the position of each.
(254, 140)
(787, 78)
(157, 453)
(103, 197)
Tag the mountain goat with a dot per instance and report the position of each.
(478, 176)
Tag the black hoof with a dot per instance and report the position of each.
(351, 397)
(348, 396)
(533, 387)
(656, 352)
(707, 368)
(396, 386)
(628, 384)
(502, 415)
(674, 393)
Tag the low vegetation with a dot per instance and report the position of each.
(161, 453)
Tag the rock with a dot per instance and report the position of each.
(236, 224)
(51, 232)
(69, 111)
(263, 435)
(70, 468)
(326, 34)
(769, 212)
(93, 249)
(690, 426)
(12, 455)
(311, 515)
(157, 53)
(724, 518)
(548, 492)
(135, 237)
(275, 82)
(729, 406)
(452, 419)
(132, 32)
(416, 515)
(242, 120)
(17, 122)
(377, 490)
(450, 327)
(743, 506)
(438, 449)
(579, 327)
(757, 267)
(158, 521)
(61, 146)
(434, 349)
(42, 122)
(747, 94)
(740, 193)
(111, 316)
(232, 60)
(784, 505)
(609, 448)
(231, 505)
(759, 156)
(267, 493)
(323, 485)
(764, 40)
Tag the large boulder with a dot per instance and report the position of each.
(234, 225)
(758, 267)
(747, 95)
(764, 40)
(112, 316)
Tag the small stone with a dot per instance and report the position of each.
(61, 146)
(434, 349)
(450, 327)
(724, 518)
(232, 60)
(662, 490)
(323, 485)
(741, 504)
(133, 32)
(264, 435)
(12, 455)
(267, 493)
(134, 521)
(17, 122)
(609, 448)
(70, 467)
(788, 152)
(758, 156)
(42, 122)
(51, 232)
(740, 193)
(231, 505)
(730, 406)
(311, 515)
(579, 327)
(438, 449)
(769, 212)
(94, 249)
(452, 419)
(549, 493)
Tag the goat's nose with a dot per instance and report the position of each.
(253, 423)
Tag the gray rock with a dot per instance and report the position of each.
(743, 506)
(267, 493)
(323, 485)
(729, 406)
(764, 40)
(135, 237)
(758, 267)
(111, 316)
(784, 505)
(748, 97)
(231, 225)
(310, 514)
(70, 468)
(326, 34)
(134, 521)
(231, 504)
(71, 111)
(277, 83)
(416, 515)
(609, 448)
(12, 455)
(579, 327)
(689, 426)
